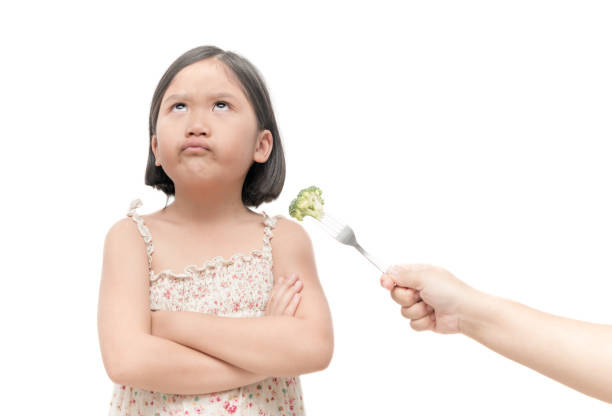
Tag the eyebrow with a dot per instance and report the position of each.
(188, 96)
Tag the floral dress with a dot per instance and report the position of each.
(239, 287)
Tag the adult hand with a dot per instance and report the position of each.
(431, 297)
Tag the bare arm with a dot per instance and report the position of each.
(275, 345)
(278, 345)
(161, 365)
(131, 355)
(577, 354)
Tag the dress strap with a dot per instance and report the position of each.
(269, 223)
(144, 230)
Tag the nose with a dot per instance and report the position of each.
(197, 126)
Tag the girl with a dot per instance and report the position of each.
(183, 335)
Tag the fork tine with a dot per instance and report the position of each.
(329, 226)
(345, 235)
(332, 222)
(341, 232)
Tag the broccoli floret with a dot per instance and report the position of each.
(308, 202)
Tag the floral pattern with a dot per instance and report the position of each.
(238, 286)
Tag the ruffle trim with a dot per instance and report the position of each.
(144, 230)
(216, 262)
(219, 261)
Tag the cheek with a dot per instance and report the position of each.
(160, 126)
(162, 145)
(240, 142)
(238, 155)
(164, 134)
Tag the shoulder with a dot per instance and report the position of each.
(291, 242)
(289, 231)
(132, 227)
(124, 252)
(123, 226)
(123, 233)
(293, 252)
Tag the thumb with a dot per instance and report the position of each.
(408, 275)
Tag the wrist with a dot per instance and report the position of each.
(477, 309)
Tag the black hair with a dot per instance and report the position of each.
(264, 181)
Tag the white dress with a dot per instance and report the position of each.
(238, 286)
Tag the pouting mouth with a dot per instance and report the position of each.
(195, 144)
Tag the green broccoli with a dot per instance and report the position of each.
(308, 202)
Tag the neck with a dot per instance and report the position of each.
(198, 205)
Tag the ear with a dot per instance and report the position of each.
(154, 147)
(263, 147)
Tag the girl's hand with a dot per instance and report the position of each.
(431, 297)
(285, 296)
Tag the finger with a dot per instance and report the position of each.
(290, 280)
(277, 284)
(279, 281)
(416, 311)
(409, 275)
(387, 282)
(426, 322)
(404, 296)
(282, 283)
(286, 297)
(293, 305)
(272, 299)
(275, 289)
(287, 285)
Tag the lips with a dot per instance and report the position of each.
(192, 143)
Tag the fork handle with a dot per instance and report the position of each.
(368, 256)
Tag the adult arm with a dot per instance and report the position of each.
(575, 353)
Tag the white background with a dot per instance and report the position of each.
(473, 135)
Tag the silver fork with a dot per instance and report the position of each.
(345, 234)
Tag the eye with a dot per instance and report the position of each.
(223, 105)
(177, 104)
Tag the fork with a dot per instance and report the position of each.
(345, 234)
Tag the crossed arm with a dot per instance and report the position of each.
(191, 353)
(277, 345)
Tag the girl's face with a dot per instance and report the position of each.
(204, 105)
